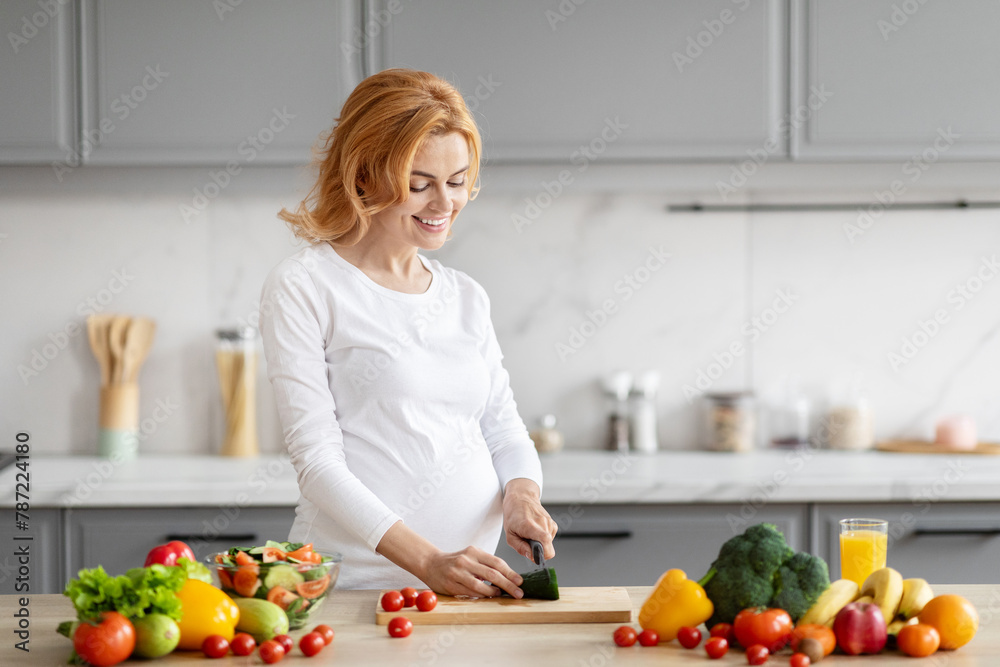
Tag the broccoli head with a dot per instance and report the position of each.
(745, 573)
(799, 584)
(759, 569)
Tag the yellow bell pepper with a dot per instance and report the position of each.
(675, 602)
(205, 610)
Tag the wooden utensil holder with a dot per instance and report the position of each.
(118, 419)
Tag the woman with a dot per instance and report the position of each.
(396, 411)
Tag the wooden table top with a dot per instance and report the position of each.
(359, 641)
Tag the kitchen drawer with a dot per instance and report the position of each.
(632, 545)
(45, 553)
(119, 539)
(945, 543)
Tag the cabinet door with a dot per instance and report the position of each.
(42, 573)
(632, 545)
(575, 82)
(906, 80)
(119, 539)
(38, 70)
(194, 82)
(944, 543)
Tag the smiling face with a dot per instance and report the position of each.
(438, 191)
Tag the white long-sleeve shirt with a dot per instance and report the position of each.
(393, 406)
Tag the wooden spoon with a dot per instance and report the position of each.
(97, 333)
(138, 340)
(116, 341)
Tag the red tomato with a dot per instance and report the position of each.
(409, 596)
(625, 636)
(716, 647)
(392, 601)
(312, 643)
(427, 600)
(245, 581)
(167, 554)
(215, 646)
(799, 660)
(649, 638)
(271, 652)
(326, 632)
(286, 642)
(400, 627)
(107, 643)
(242, 644)
(724, 630)
(313, 589)
(689, 637)
(757, 654)
(770, 627)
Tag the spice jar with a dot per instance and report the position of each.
(546, 438)
(851, 425)
(728, 422)
(236, 361)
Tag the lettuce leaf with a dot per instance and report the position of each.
(140, 591)
(195, 570)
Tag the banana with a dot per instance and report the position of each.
(886, 587)
(897, 625)
(867, 599)
(916, 593)
(831, 601)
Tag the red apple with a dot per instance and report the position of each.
(860, 628)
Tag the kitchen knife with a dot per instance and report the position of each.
(537, 553)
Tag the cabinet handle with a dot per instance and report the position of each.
(596, 535)
(197, 537)
(982, 532)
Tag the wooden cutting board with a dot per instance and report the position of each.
(575, 605)
(927, 447)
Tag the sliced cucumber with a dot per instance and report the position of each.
(541, 584)
(282, 575)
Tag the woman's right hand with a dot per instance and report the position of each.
(467, 572)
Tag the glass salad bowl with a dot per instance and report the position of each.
(291, 575)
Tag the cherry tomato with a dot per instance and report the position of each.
(400, 627)
(919, 640)
(757, 654)
(409, 596)
(689, 637)
(716, 647)
(242, 644)
(392, 601)
(427, 600)
(312, 643)
(770, 627)
(625, 636)
(215, 646)
(326, 632)
(724, 630)
(286, 642)
(799, 660)
(649, 638)
(107, 643)
(271, 652)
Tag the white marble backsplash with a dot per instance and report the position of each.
(593, 283)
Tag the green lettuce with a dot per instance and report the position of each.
(140, 591)
(195, 570)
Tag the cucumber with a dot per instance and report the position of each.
(285, 576)
(541, 584)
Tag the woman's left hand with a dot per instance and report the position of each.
(524, 518)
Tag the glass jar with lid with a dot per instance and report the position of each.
(728, 422)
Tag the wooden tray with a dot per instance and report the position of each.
(575, 605)
(927, 447)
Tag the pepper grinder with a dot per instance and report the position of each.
(644, 413)
(618, 386)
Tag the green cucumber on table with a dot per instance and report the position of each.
(539, 585)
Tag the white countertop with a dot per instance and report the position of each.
(583, 477)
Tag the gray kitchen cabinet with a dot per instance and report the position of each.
(119, 539)
(632, 545)
(44, 564)
(914, 81)
(572, 82)
(946, 543)
(226, 83)
(38, 70)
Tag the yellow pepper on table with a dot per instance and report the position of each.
(675, 602)
(205, 610)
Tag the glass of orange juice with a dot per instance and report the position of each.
(863, 547)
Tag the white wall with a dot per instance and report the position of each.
(852, 302)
